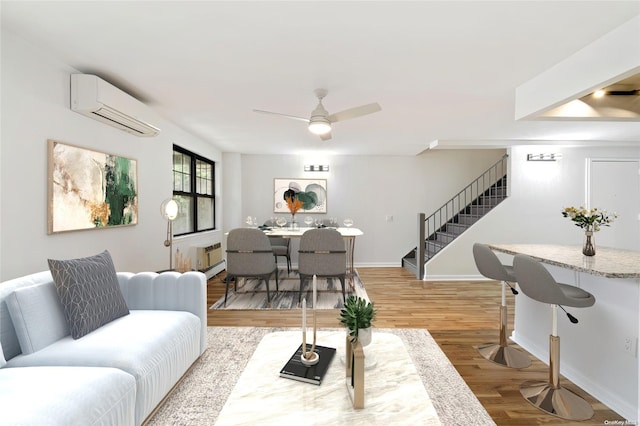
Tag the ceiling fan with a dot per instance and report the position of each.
(321, 121)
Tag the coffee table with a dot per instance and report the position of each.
(394, 392)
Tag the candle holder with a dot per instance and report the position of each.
(309, 357)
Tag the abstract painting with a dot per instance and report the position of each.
(90, 189)
(312, 193)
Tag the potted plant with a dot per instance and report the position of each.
(357, 316)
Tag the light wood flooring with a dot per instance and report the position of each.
(459, 316)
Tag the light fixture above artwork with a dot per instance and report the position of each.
(316, 168)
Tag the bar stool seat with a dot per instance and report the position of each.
(500, 353)
(537, 283)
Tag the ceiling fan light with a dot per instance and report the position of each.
(319, 127)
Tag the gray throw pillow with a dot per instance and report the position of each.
(89, 292)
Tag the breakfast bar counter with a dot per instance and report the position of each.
(608, 262)
(600, 353)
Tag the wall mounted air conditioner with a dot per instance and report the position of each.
(95, 98)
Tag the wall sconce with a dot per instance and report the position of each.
(312, 168)
(543, 157)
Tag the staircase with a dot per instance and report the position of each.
(457, 215)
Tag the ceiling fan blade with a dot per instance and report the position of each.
(326, 136)
(359, 111)
(306, 120)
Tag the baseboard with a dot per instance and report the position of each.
(378, 265)
(281, 264)
(439, 278)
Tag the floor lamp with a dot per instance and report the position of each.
(169, 210)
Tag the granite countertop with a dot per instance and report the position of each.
(608, 262)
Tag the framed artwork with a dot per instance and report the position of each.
(89, 189)
(311, 192)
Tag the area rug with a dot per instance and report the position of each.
(252, 293)
(199, 398)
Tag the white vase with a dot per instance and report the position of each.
(364, 336)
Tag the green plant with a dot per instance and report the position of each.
(356, 314)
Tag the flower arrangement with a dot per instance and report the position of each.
(589, 220)
(294, 204)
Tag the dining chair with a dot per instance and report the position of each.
(249, 255)
(322, 253)
(281, 247)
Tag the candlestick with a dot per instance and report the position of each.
(310, 357)
(315, 293)
(304, 327)
(304, 314)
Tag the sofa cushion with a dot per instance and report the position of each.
(37, 316)
(2, 360)
(155, 347)
(89, 292)
(67, 396)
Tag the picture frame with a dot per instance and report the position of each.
(314, 192)
(89, 189)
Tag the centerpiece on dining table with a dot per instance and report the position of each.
(294, 204)
(590, 220)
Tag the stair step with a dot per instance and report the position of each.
(467, 219)
(499, 190)
(491, 200)
(432, 247)
(479, 210)
(445, 237)
(456, 228)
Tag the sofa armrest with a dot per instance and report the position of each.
(169, 291)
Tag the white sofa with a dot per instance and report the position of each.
(116, 374)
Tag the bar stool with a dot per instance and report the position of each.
(501, 353)
(537, 283)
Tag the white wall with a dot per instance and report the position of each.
(532, 213)
(368, 189)
(35, 107)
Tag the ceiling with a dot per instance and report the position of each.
(444, 73)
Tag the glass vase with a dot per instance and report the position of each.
(293, 224)
(589, 246)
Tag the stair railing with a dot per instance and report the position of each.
(461, 203)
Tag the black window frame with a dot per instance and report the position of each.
(193, 193)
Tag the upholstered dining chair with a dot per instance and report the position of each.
(281, 247)
(537, 283)
(249, 255)
(322, 253)
(501, 353)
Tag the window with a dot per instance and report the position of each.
(193, 189)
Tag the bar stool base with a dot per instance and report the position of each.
(506, 356)
(559, 401)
